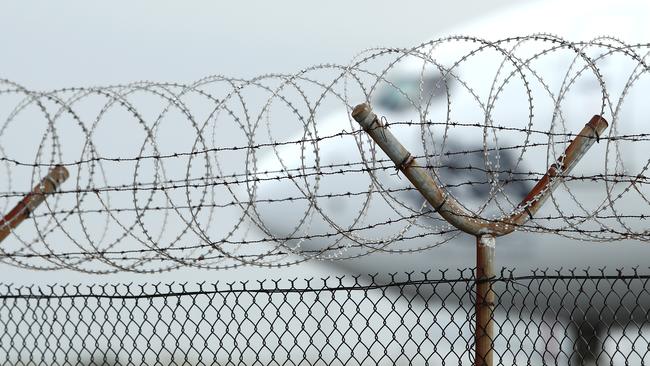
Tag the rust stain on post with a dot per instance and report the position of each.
(33, 199)
(545, 186)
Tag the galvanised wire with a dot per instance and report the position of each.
(168, 175)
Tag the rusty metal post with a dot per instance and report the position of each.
(33, 199)
(484, 230)
(485, 298)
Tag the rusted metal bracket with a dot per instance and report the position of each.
(33, 199)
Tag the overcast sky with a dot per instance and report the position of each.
(47, 44)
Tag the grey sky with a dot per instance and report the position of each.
(48, 44)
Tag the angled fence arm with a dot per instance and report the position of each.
(445, 204)
(544, 188)
(33, 199)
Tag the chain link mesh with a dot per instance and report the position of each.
(546, 317)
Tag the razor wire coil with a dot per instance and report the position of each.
(196, 174)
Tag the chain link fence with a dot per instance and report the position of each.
(546, 317)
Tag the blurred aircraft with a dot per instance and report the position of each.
(412, 81)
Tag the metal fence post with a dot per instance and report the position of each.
(485, 298)
(484, 230)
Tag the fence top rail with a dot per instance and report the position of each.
(312, 285)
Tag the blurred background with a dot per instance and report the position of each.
(47, 45)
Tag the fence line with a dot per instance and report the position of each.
(544, 317)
